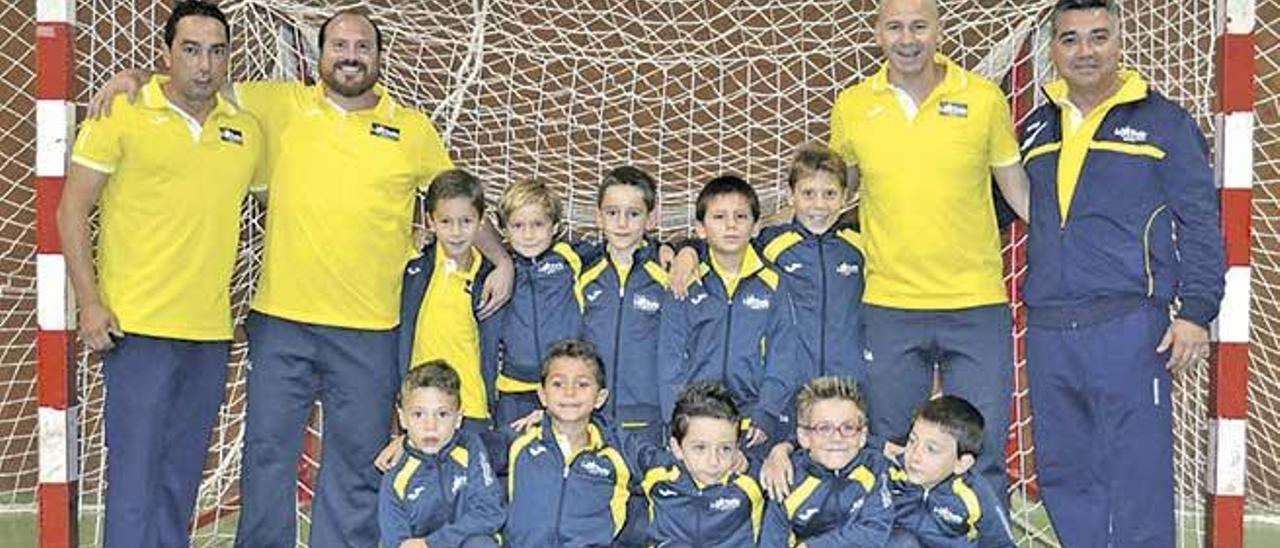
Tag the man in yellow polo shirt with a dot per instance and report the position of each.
(923, 136)
(170, 174)
(344, 164)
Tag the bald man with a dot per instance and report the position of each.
(923, 137)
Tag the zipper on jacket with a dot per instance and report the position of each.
(822, 309)
(533, 299)
(728, 330)
(564, 480)
(617, 342)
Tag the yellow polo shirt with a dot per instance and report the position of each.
(170, 211)
(340, 212)
(447, 329)
(927, 214)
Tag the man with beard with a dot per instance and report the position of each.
(1125, 273)
(934, 283)
(344, 164)
(172, 171)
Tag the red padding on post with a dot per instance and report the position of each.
(55, 55)
(57, 515)
(1235, 71)
(48, 194)
(1229, 391)
(1237, 209)
(53, 370)
(1226, 522)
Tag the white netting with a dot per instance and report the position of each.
(566, 89)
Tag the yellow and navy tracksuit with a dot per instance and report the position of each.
(1124, 226)
(417, 279)
(565, 500)
(728, 514)
(823, 273)
(446, 498)
(621, 313)
(544, 309)
(742, 334)
(833, 508)
(959, 511)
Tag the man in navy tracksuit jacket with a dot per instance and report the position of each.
(544, 309)
(1124, 234)
(745, 339)
(823, 273)
(451, 498)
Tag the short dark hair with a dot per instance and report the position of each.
(578, 350)
(1112, 7)
(455, 183)
(816, 158)
(197, 8)
(377, 32)
(957, 417)
(633, 177)
(436, 374)
(722, 185)
(707, 399)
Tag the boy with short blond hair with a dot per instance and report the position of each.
(567, 483)
(939, 500)
(839, 493)
(442, 492)
(544, 306)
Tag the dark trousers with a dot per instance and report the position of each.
(353, 373)
(1103, 426)
(973, 349)
(161, 402)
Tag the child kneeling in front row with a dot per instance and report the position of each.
(442, 491)
(839, 492)
(567, 481)
(938, 500)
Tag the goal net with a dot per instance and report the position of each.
(567, 89)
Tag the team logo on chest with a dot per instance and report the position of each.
(645, 304)
(847, 269)
(697, 299)
(1130, 135)
(594, 468)
(947, 515)
(756, 302)
(806, 514)
(593, 295)
(231, 135)
(384, 131)
(725, 504)
(793, 267)
(458, 483)
(953, 109)
(548, 268)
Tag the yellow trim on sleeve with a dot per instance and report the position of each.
(91, 164)
(1129, 148)
(864, 476)
(513, 455)
(460, 455)
(853, 237)
(652, 477)
(657, 273)
(800, 494)
(509, 385)
(971, 502)
(770, 278)
(621, 488)
(756, 497)
(780, 244)
(405, 474)
(575, 264)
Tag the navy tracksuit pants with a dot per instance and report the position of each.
(161, 402)
(353, 373)
(1103, 426)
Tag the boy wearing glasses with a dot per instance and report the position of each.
(839, 494)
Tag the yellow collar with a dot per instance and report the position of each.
(1133, 88)
(153, 97)
(954, 77)
(751, 263)
(385, 108)
(442, 262)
